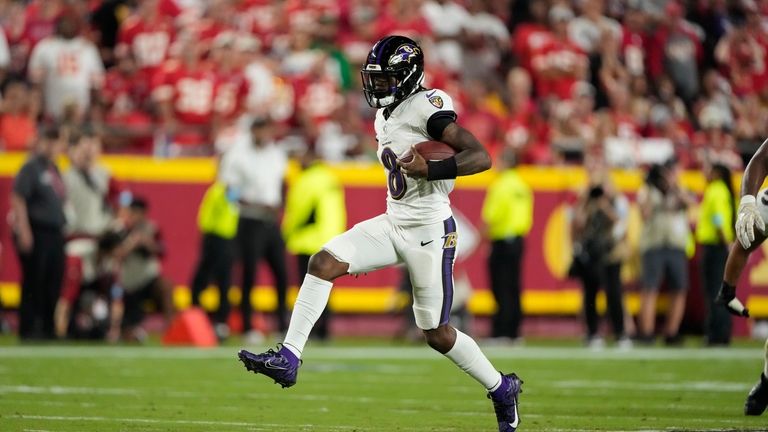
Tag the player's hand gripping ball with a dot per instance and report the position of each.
(413, 163)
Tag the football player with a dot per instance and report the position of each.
(750, 231)
(417, 228)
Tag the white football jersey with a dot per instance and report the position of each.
(67, 70)
(412, 201)
(762, 205)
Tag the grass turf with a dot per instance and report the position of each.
(372, 387)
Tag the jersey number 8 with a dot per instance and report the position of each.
(396, 179)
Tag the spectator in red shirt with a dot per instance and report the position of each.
(146, 35)
(184, 91)
(525, 131)
(479, 117)
(317, 96)
(231, 84)
(355, 39)
(742, 58)
(39, 23)
(18, 116)
(559, 64)
(675, 48)
(261, 18)
(633, 41)
(125, 101)
(531, 36)
(219, 18)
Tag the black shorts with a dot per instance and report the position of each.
(661, 261)
(134, 302)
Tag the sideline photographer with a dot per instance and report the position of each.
(599, 227)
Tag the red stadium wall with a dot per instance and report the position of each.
(174, 190)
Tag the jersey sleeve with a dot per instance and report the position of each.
(435, 112)
(5, 53)
(24, 183)
(36, 68)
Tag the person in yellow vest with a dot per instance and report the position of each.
(508, 216)
(315, 212)
(715, 233)
(217, 220)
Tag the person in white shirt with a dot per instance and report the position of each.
(591, 26)
(418, 228)
(255, 167)
(67, 67)
(5, 53)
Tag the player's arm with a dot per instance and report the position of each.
(748, 216)
(734, 266)
(756, 171)
(471, 157)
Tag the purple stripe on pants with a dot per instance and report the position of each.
(449, 253)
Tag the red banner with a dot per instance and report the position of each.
(174, 190)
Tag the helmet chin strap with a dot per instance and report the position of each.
(389, 100)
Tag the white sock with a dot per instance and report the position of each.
(312, 299)
(765, 365)
(467, 356)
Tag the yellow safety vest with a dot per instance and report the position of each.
(315, 210)
(217, 215)
(715, 214)
(508, 207)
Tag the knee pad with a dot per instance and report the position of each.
(425, 318)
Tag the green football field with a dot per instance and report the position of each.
(373, 386)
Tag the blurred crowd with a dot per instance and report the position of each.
(596, 82)
(631, 81)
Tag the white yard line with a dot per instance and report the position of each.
(61, 390)
(249, 426)
(384, 353)
(715, 386)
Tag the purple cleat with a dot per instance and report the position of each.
(282, 365)
(505, 402)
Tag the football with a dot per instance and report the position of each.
(430, 150)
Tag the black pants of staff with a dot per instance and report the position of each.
(505, 267)
(593, 276)
(718, 323)
(216, 257)
(42, 271)
(321, 328)
(257, 239)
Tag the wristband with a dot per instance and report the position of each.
(442, 170)
(747, 199)
(727, 288)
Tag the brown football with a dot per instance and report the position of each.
(430, 150)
